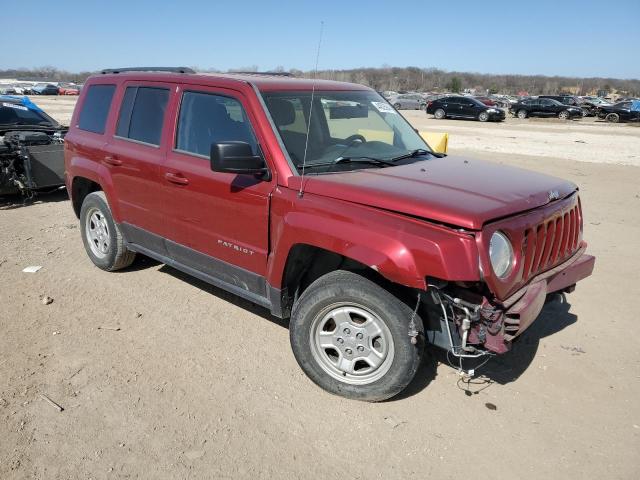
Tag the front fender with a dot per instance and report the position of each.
(403, 249)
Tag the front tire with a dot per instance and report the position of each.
(439, 114)
(102, 238)
(351, 337)
(483, 117)
(564, 115)
(522, 114)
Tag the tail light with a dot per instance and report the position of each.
(429, 104)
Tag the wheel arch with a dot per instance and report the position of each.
(80, 188)
(85, 176)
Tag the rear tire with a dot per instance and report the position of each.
(439, 114)
(351, 337)
(522, 114)
(612, 118)
(102, 238)
(483, 117)
(397, 106)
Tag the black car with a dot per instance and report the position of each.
(620, 112)
(464, 107)
(45, 89)
(31, 148)
(544, 107)
(568, 100)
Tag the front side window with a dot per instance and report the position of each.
(95, 109)
(142, 114)
(207, 118)
(345, 126)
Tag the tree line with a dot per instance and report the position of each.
(407, 79)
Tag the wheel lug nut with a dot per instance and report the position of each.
(360, 348)
(347, 331)
(349, 351)
(359, 336)
(340, 340)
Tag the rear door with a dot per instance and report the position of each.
(468, 108)
(534, 106)
(452, 106)
(219, 221)
(136, 151)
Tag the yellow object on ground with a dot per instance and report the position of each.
(439, 142)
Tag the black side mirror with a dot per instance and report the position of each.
(237, 157)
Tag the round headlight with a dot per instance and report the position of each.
(501, 254)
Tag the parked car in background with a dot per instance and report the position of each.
(31, 148)
(567, 100)
(544, 107)
(68, 89)
(591, 104)
(408, 101)
(45, 89)
(501, 101)
(456, 106)
(486, 100)
(620, 112)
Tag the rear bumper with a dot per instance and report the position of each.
(520, 310)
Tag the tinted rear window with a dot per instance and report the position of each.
(142, 114)
(95, 108)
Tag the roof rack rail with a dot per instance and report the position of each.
(275, 74)
(148, 69)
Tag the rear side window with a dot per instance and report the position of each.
(95, 108)
(206, 118)
(142, 114)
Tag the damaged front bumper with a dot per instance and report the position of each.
(491, 326)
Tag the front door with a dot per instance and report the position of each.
(220, 221)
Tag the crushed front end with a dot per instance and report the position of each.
(31, 148)
(546, 254)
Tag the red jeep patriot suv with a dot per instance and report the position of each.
(318, 201)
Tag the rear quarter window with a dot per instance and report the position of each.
(95, 108)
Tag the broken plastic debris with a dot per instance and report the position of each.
(32, 269)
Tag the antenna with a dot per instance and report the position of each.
(313, 91)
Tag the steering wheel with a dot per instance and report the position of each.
(349, 140)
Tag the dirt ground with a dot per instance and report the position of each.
(162, 376)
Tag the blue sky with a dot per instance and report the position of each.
(528, 37)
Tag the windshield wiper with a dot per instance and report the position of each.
(416, 153)
(369, 160)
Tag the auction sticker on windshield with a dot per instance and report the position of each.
(13, 105)
(383, 107)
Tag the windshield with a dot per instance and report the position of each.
(16, 114)
(345, 125)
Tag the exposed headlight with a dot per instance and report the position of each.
(492, 110)
(500, 254)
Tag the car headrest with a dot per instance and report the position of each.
(282, 111)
